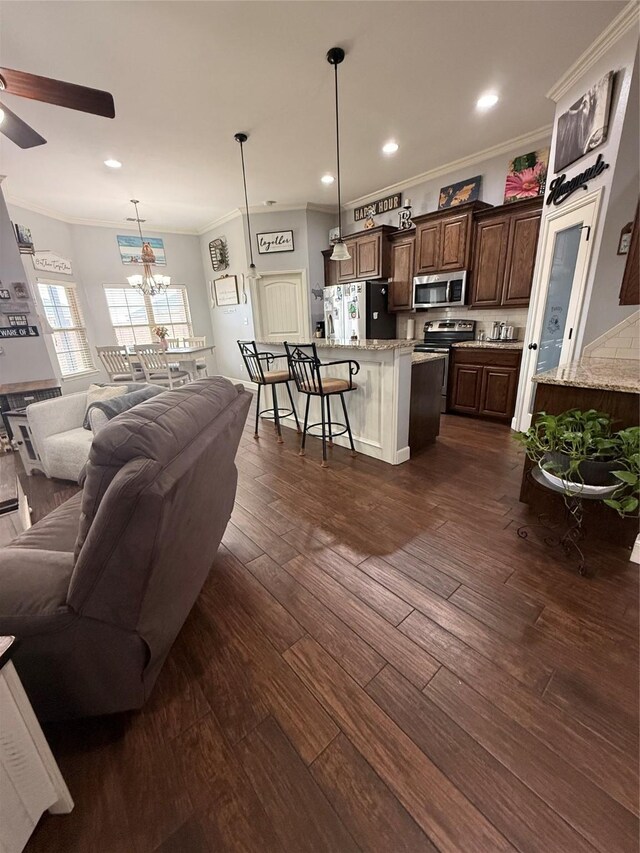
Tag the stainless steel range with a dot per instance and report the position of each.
(439, 336)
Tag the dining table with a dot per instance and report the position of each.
(186, 357)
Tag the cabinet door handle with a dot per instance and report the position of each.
(533, 346)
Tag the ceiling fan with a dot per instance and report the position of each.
(49, 91)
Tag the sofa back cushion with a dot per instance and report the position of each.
(158, 493)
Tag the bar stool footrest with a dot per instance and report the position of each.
(268, 414)
(334, 432)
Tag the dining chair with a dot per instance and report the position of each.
(305, 368)
(156, 367)
(117, 364)
(255, 362)
(197, 341)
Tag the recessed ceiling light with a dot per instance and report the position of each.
(113, 164)
(390, 147)
(327, 179)
(487, 101)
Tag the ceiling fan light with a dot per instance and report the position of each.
(340, 251)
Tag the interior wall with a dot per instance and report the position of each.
(22, 360)
(604, 310)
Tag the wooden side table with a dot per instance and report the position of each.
(23, 439)
(30, 780)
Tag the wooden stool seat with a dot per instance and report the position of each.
(277, 376)
(330, 385)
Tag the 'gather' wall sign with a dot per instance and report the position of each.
(560, 188)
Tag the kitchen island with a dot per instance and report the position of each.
(380, 408)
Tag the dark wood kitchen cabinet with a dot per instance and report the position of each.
(370, 256)
(505, 240)
(483, 382)
(630, 289)
(443, 238)
(330, 269)
(401, 279)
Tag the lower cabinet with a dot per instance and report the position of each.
(483, 382)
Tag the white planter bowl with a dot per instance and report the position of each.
(579, 488)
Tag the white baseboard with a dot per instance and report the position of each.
(635, 551)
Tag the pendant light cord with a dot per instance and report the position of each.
(135, 204)
(246, 203)
(335, 68)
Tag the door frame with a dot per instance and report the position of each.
(255, 301)
(574, 210)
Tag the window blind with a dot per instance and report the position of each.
(64, 315)
(133, 314)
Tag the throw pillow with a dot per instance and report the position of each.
(101, 411)
(102, 392)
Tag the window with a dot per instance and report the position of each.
(133, 315)
(63, 313)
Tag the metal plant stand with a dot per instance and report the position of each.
(567, 535)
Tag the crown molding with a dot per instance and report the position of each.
(258, 209)
(96, 223)
(495, 151)
(628, 18)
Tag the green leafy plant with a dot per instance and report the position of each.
(626, 498)
(567, 443)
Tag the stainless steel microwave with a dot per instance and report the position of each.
(435, 291)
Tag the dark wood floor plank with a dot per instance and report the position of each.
(377, 596)
(240, 545)
(304, 819)
(356, 656)
(524, 819)
(206, 765)
(598, 817)
(614, 770)
(394, 646)
(189, 838)
(261, 535)
(371, 813)
(445, 815)
(425, 575)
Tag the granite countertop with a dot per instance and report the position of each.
(364, 344)
(421, 357)
(490, 344)
(604, 374)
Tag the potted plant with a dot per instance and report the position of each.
(627, 496)
(580, 452)
(161, 332)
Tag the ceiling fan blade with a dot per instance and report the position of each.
(57, 92)
(18, 131)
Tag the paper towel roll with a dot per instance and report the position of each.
(411, 329)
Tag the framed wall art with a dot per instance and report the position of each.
(225, 290)
(526, 176)
(131, 249)
(460, 193)
(271, 242)
(584, 125)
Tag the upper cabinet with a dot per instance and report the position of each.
(330, 268)
(403, 247)
(370, 255)
(443, 239)
(630, 290)
(504, 252)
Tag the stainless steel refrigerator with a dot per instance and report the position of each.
(358, 309)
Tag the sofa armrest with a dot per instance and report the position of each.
(33, 583)
(50, 417)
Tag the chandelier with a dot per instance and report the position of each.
(148, 283)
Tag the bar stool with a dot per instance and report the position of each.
(255, 362)
(305, 367)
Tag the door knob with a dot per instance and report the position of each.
(533, 346)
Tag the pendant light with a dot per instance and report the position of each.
(253, 274)
(340, 251)
(148, 283)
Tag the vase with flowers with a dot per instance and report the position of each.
(161, 332)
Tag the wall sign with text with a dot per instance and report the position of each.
(271, 242)
(50, 262)
(375, 208)
(19, 332)
(560, 188)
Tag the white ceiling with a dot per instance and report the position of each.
(187, 75)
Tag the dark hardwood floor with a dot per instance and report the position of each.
(377, 662)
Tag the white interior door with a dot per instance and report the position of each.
(558, 295)
(281, 307)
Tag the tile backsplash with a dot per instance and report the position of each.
(484, 317)
(622, 341)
